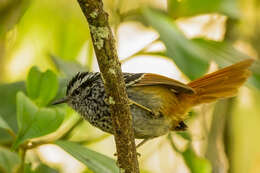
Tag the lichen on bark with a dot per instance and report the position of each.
(99, 34)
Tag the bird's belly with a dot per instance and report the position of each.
(148, 126)
(145, 125)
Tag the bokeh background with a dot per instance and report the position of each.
(181, 39)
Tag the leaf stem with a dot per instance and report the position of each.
(22, 154)
(60, 133)
(11, 133)
(174, 147)
(141, 51)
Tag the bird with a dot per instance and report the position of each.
(158, 104)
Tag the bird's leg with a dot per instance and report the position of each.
(143, 107)
(141, 143)
(138, 145)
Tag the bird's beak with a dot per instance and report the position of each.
(62, 100)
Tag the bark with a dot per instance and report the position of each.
(104, 45)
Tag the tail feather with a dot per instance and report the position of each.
(222, 83)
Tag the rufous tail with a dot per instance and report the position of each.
(221, 84)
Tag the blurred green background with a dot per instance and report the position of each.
(182, 39)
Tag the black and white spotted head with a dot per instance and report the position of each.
(79, 86)
(80, 81)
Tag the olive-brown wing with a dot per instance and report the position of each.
(149, 79)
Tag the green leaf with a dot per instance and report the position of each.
(8, 104)
(69, 68)
(26, 110)
(40, 169)
(224, 54)
(45, 121)
(48, 88)
(185, 54)
(9, 161)
(87, 171)
(185, 134)
(3, 124)
(34, 122)
(42, 87)
(255, 80)
(5, 137)
(185, 8)
(32, 83)
(195, 163)
(192, 56)
(221, 52)
(95, 161)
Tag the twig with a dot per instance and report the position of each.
(169, 137)
(22, 163)
(139, 52)
(104, 45)
(65, 128)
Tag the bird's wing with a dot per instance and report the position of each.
(149, 79)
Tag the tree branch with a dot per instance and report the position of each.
(104, 45)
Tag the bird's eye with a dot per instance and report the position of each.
(76, 92)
